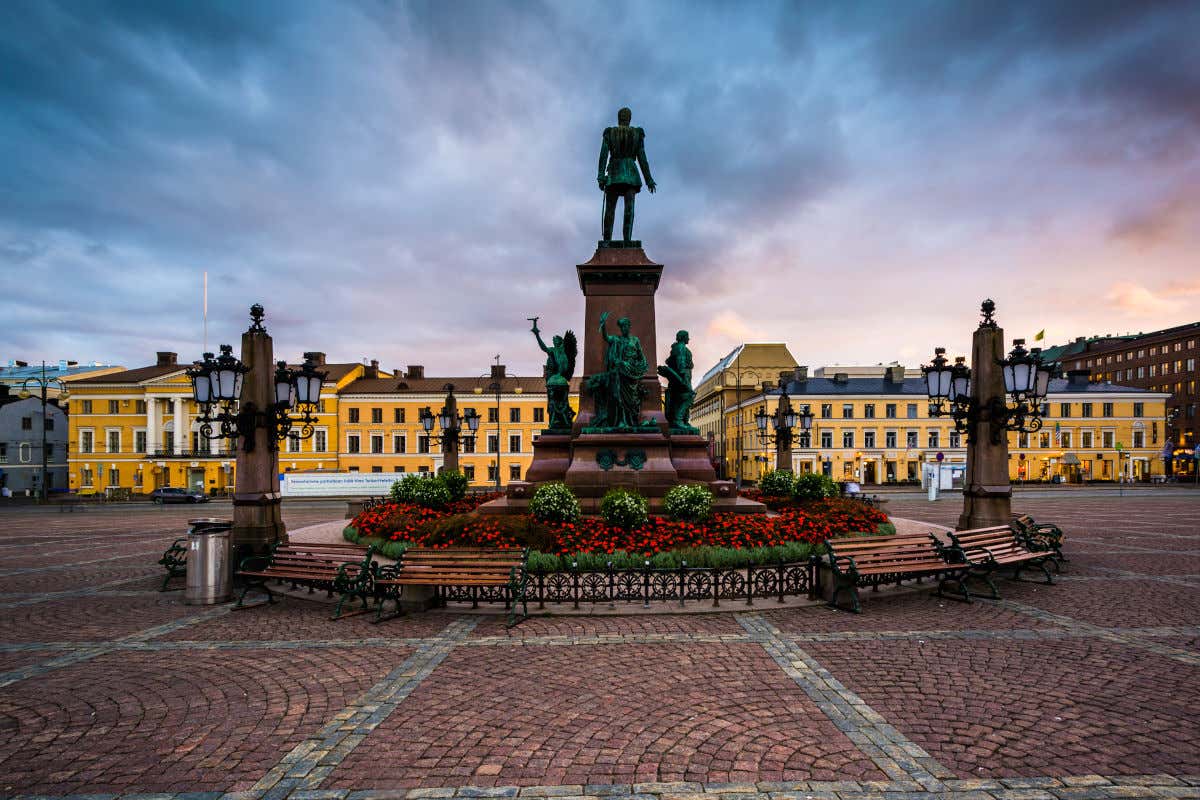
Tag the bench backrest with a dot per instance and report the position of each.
(997, 539)
(875, 551)
(318, 555)
(462, 559)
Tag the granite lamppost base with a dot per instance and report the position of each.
(257, 517)
(987, 493)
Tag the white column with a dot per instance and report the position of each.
(183, 441)
(151, 426)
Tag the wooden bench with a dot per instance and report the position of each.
(1041, 536)
(456, 566)
(175, 561)
(859, 560)
(332, 568)
(986, 550)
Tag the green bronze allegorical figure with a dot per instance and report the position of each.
(618, 391)
(622, 152)
(679, 395)
(560, 366)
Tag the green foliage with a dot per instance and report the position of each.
(403, 490)
(430, 493)
(456, 484)
(689, 503)
(554, 502)
(815, 486)
(702, 557)
(777, 483)
(624, 509)
(886, 529)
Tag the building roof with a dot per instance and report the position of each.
(1084, 344)
(464, 387)
(915, 387)
(131, 376)
(761, 354)
(60, 370)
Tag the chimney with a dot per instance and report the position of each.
(894, 374)
(318, 358)
(800, 374)
(21, 363)
(497, 371)
(1078, 379)
(72, 363)
(841, 377)
(373, 370)
(415, 371)
(166, 359)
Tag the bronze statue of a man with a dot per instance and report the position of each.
(679, 395)
(622, 151)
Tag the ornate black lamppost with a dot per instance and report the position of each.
(451, 424)
(784, 421)
(997, 394)
(43, 385)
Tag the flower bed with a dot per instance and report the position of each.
(725, 540)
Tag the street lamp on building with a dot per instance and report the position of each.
(778, 428)
(452, 425)
(42, 386)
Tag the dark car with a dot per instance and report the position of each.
(172, 494)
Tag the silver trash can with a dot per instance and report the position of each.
(209, 573)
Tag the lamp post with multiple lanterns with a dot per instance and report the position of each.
(995, 395)
(452, 426)
(248, 400)
(43, 385)
(784, 422)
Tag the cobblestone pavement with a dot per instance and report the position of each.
(1088, 689)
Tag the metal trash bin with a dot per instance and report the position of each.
(209, 571)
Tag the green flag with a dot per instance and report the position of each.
(1040, 335)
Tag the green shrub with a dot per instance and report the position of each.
(403, 490)
(689, 503)
(554, 502)
(456, 484)
(815, 486)
(430, 493)
(624, 509)
(777, 483)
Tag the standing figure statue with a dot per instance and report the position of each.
(680, 395)
(560, 366)
(618, 390)
(622, 151)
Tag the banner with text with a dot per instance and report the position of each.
(337, 484)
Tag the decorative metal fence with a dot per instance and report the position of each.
(654, 584)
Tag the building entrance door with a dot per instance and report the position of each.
(869, 472)
(196, 479)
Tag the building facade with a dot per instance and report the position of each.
(21, 429)
(876, 430)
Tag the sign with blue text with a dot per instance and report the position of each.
(337, 484)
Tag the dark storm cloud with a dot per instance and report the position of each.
(410, 181)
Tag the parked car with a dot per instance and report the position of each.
(171, 494)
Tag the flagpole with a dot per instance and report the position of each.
(205, 311)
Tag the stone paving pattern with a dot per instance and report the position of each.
(1084, 690)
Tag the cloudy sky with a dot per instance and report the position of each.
(410, 181)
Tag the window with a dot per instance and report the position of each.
(1139, 409)
(376, 415)
(493, 415)
(493, 443)
(889, 439)
(114, 441)
(1023, 441)
(114, 477)
(912, 410)
(955, 439)
(422, 444)
(514, 415)
(202, 445)
(468, 444)
(1107, 409)
(514, 443)
(85, 476)
(49, 423)
(137, 479)
(399, 444)
(1106, 439)
(114, 407)
(1153, 370)
(26, 423)
(1085, 440)
(1064, 439)
(398, 416)
(827, 439)
(1044, 439)
(25, 452)
(889, 411)
(352, 415)
(1191, 365)
(353, 469)
(539, 414)
(140, 407)
(933, 439)
(85, 441)
(423, 469)
(869, 411)
(492, 473)
(1064, 409)
(1085, 409)
(320, 442)
(868, 438)
(352, 443)
(139, 441)
(377, 441)
(469, 473)
(376, 469)
(87, 406)
(397, 469)
(826, 410)
(804, 440)
(1139, 438)
(848, 439)
(847, 411)
(910, 439)
(514, 472)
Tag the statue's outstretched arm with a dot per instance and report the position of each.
(644, 164)
(541, 344)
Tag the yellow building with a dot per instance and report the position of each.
(381, 428)
(136, 430)
(871, 425)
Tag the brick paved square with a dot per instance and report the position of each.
(292, 619)
(96, 618)
(202, 721)
(83, 577)
(903, 611)
(1122, 603)
(1007, 708)
(705, 624)
(1173, 563)
(603, 714)
(16, 659)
